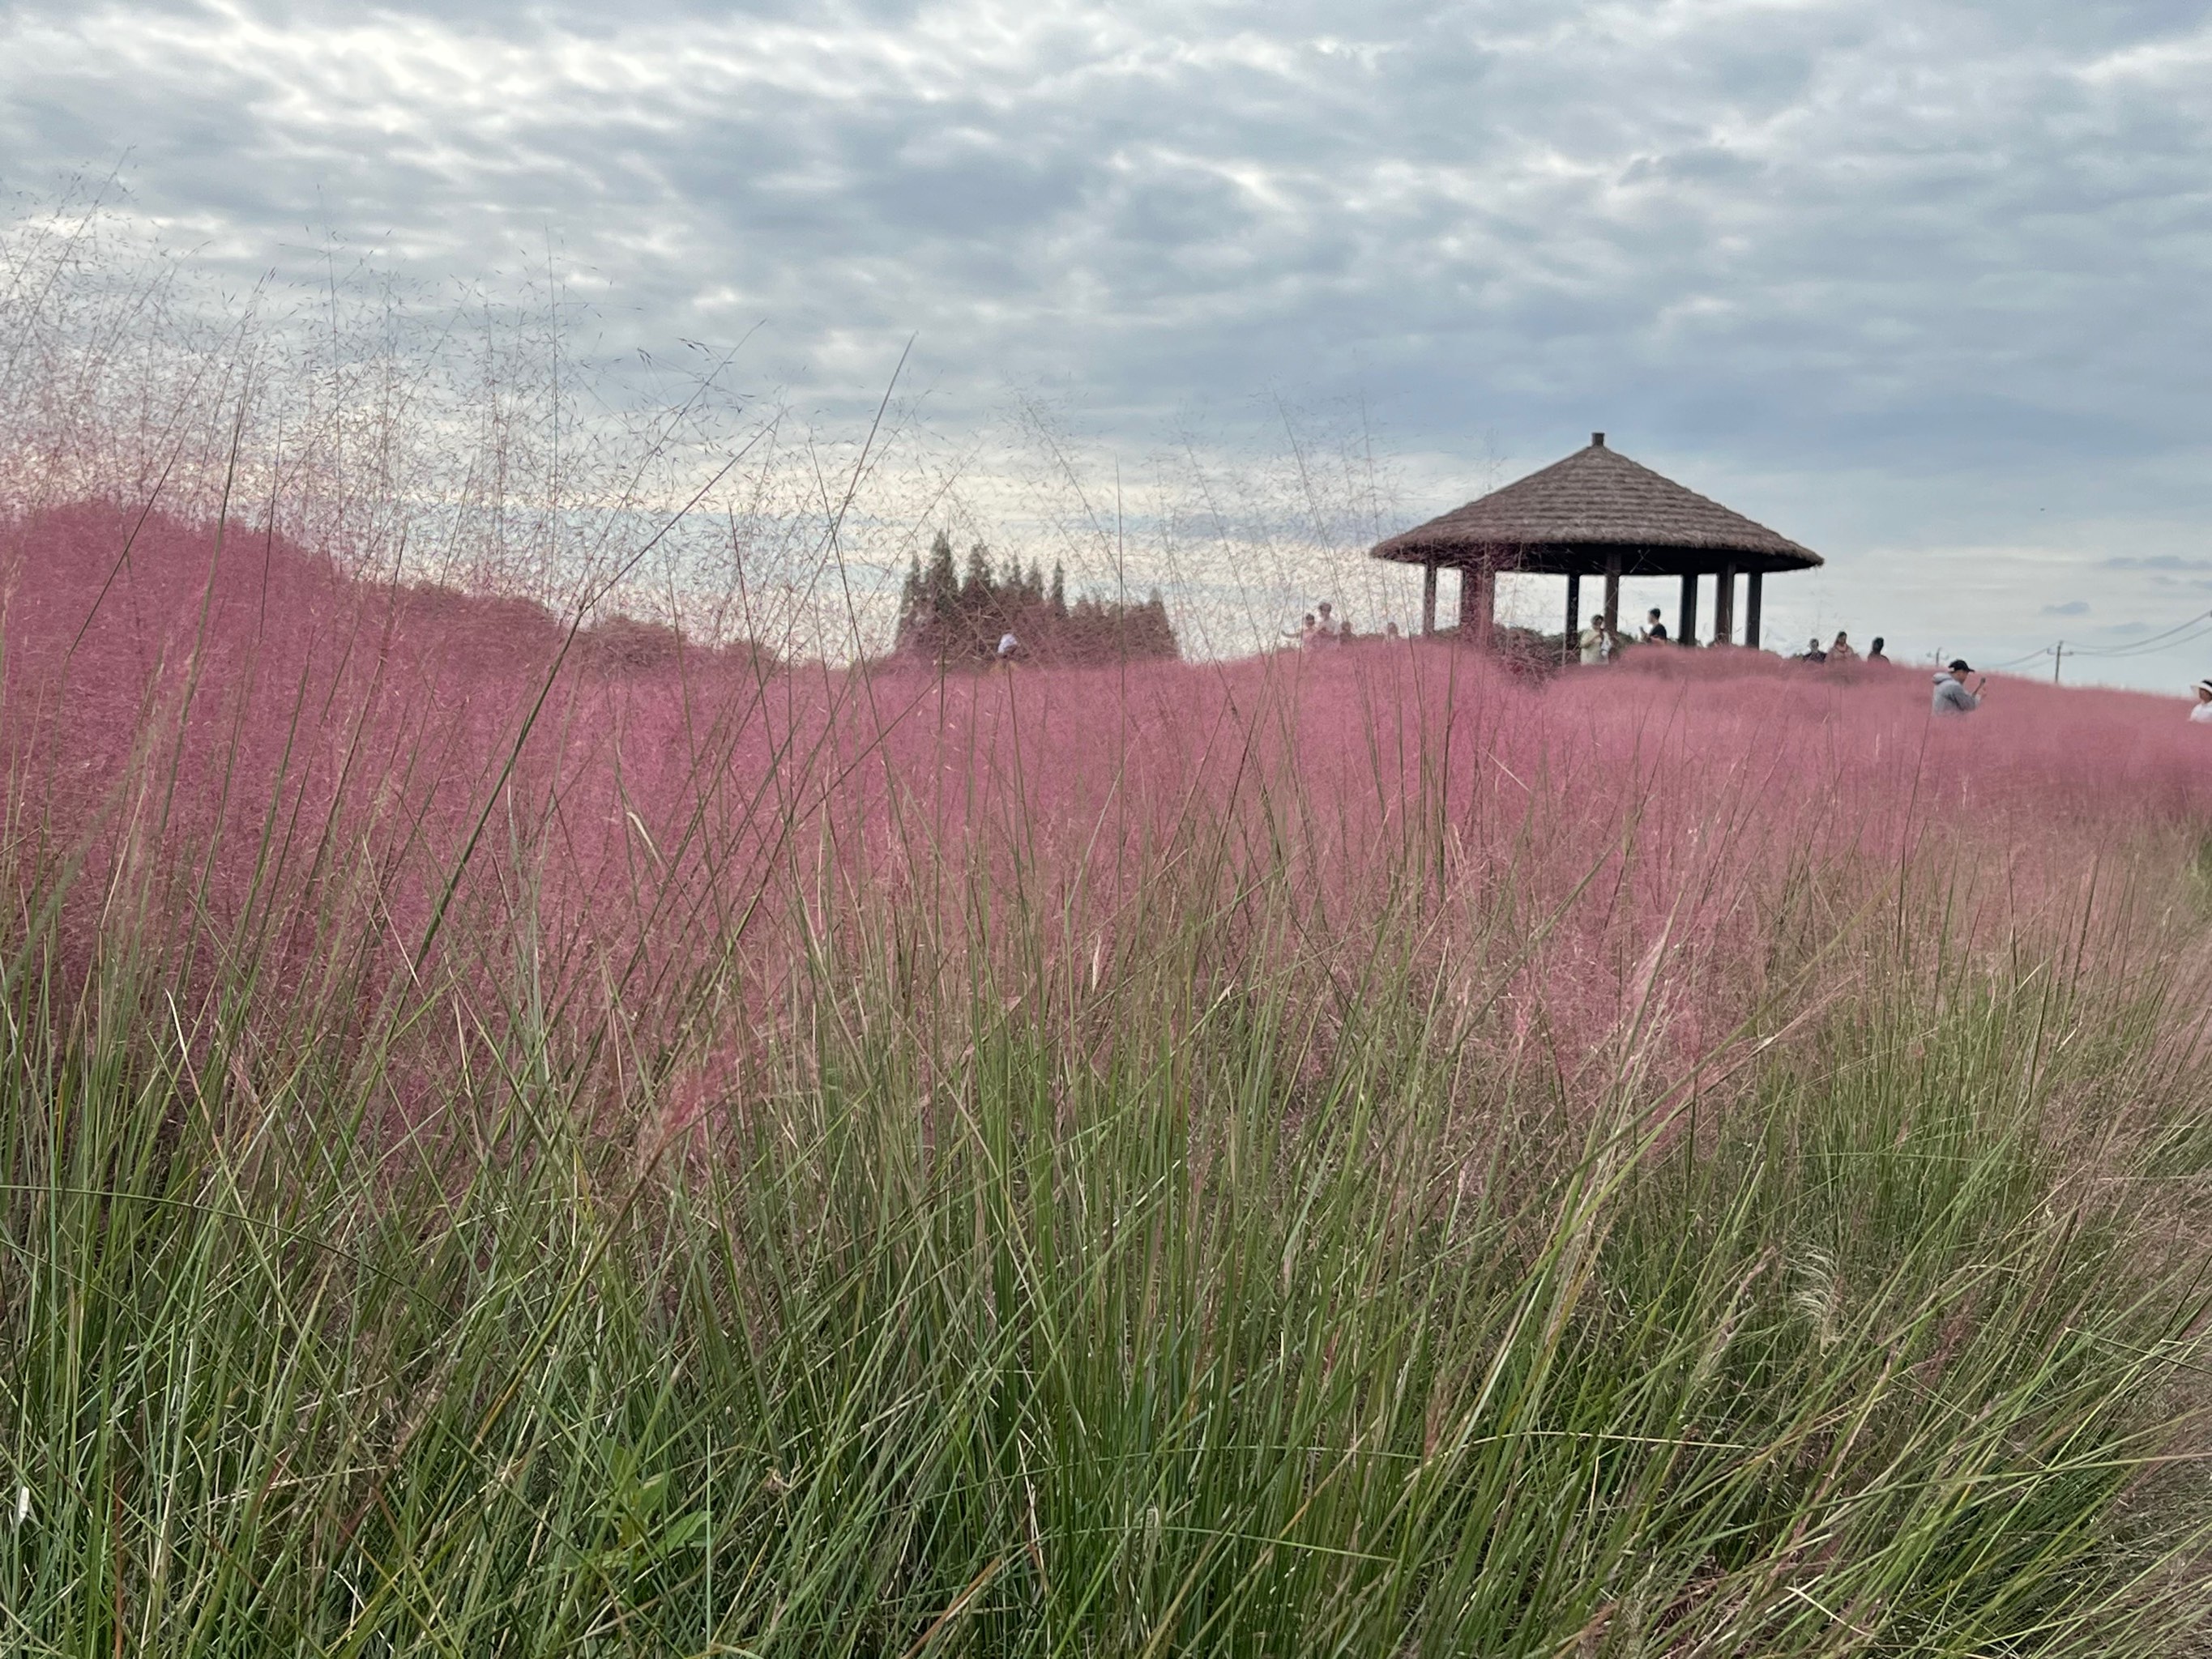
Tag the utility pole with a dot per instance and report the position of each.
(2057, 656)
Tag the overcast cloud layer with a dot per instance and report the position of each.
(1921, 284)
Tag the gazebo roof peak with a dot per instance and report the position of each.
(1581, 515)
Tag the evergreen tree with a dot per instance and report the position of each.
(976, 594)
(959, 617)
(911, 607)
(943, 587)
(1156, 635)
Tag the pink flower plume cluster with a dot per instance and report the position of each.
(224, 739)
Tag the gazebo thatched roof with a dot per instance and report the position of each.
(1577, 515)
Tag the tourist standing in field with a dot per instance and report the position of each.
(1592, 642)
(1306, 632)
(1952, 696)
(1841, 650)
(1654, 631)
(1874, 653)
(1328, 626)
(2202, 713)
(1813, 652)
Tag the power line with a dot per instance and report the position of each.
(2015, 662)
(2150, 645)
(2188, 632)
(2145, 643)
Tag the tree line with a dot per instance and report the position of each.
(949, 616)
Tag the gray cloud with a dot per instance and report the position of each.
(2070, 608)
(1892, 275)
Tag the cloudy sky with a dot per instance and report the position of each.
(1922, 285)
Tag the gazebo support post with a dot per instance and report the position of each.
(1428, 597)
(1685, 625)
(1574, 618)
(1478, 604)
(1613, 594)
(1750, 608)
(1724, 607)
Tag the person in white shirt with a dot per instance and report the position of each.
(1593, 642)
(2202, 713)
(1008, 646)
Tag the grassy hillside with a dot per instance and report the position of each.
(513, 1151)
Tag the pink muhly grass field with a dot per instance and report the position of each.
(550, 1136)
(246, 752)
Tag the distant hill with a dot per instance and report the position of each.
(115, 590)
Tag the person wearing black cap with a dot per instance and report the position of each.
(1952, 696)
(2201, 714)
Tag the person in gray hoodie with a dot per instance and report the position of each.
(1952, 696)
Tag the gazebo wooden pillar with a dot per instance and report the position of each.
(1685, 625)
(1428, 597)
(1750, 609)
(1724, 607)
(1574, 611)
(1478, 602)
(1613, 594)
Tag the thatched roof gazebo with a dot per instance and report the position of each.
(1597, 514)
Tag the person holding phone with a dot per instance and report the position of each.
(1952, 696)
